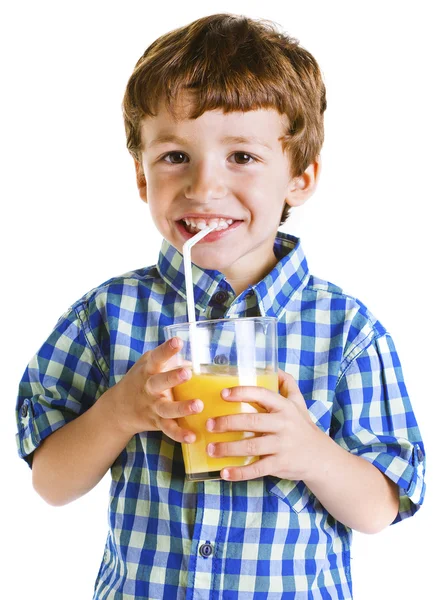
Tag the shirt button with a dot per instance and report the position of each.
(250, 293)
(420, 454)
(206, 550)
(221, 359)
(220, 297)
(24, 410)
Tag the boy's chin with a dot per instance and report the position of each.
(205, 256)
(209, 265)
(211, 259)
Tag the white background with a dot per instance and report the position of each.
(71, 218)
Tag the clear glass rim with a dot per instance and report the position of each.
(186, 325)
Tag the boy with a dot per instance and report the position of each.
(224, 119)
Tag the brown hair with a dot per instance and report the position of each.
(234, 63)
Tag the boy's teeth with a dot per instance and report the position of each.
(199, 224)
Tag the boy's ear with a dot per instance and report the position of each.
(140, 179)
(302, 187)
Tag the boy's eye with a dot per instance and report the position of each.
(174, 154)
(244, 156)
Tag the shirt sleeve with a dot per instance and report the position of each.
(61, 382)
(373, 418)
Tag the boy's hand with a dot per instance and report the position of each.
(289, 437)
(143, 401)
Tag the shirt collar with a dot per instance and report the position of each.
(171, 268)
(275, 292)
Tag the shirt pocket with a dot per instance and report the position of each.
(294, 493)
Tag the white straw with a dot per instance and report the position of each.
(188, 270)
(187, 263)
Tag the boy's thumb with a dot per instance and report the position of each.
(287, 385)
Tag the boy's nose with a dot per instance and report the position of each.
(205, 184)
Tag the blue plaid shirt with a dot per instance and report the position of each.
(267, 538)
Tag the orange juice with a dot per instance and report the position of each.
(208, 386)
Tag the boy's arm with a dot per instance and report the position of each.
(351, 489)
(73, 459)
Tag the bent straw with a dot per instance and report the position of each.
(187, 263)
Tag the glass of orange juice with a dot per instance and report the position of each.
(222, 353)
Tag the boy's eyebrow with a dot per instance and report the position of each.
(229, 139)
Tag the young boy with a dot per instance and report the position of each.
(224, 119)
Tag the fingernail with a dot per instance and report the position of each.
(210, 424)
(225, 393)
(173, 342)
(226, 474)
(195, 406)
(184, 374)
(189, 438)
(211, 449)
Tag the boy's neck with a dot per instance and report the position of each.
(241, 282)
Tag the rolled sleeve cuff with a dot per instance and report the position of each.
(32, 429)
(407, 471)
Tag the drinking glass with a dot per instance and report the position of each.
(222, 353)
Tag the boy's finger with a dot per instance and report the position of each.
(256, 422)
(176, 433)
(170, 409)
(287, 384)
(260, 468)
(160, 382)
(268, 399)
(254, 446)
(160, 355)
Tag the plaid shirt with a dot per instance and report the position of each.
(267, 538)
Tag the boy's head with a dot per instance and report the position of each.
(226, 74)
(232, 63)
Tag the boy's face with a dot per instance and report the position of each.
(206, 175)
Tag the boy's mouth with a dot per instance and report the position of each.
(193, 225)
